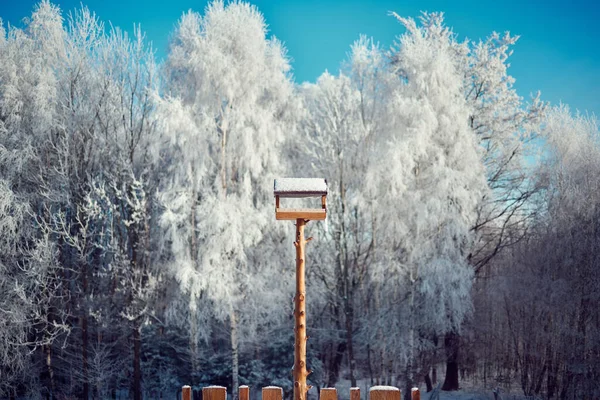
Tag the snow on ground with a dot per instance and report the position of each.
(461, 395)
(469, 393)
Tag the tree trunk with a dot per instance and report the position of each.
(223, 172)
(193, 342)
(50, 368)
(434, 368)
(84, 357)
(411, 337)
(428, 383)
(335, 364)
(349, 344)
(409, 381)
(194, 351)
(551, 381)
(137, 371)
(195, 355)
(234, 355)
(369, 364)
(84, 335)
(451, 343)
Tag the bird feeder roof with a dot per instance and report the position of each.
(300, 187)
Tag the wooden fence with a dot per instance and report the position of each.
(276, 393)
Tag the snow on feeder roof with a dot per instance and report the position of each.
(299, 188)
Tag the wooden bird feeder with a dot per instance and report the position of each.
(299, 188)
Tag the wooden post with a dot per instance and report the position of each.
(328, 394)
(214, 393)
(186, 393)
(300, 188)
(244, 393)
(300, 371)
(272, 393)
(415, 394)
(354, 393)
(384, 393)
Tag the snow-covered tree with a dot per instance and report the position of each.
(427, 184)
(29, 287)
(505, 127)
(75, 104)
(342, 116)
(34, 305)
(223, 124)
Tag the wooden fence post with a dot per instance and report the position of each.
(244, 393)
(272, 393)
(328, 394)
(415, 394)
(384, 393)
(186, 393)
(214, 393)
(354, 393)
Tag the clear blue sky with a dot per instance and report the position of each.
(558, 53)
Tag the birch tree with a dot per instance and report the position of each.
(343, 114)
(505, 126)
(229, 87)
(428, 185)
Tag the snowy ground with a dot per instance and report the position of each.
(470, 393)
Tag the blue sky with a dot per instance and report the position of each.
(558, 53)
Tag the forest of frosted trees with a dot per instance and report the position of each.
(138, 244)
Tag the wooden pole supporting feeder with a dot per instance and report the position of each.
(300, 188)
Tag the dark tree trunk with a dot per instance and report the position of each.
(137, 372)
(409, 384)
(434, 379)
(451, 343)
(428, 382)
(336, 362)
(84, 355)
(84, 336)
(349, 344)
(551, 381)
(369, 364)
